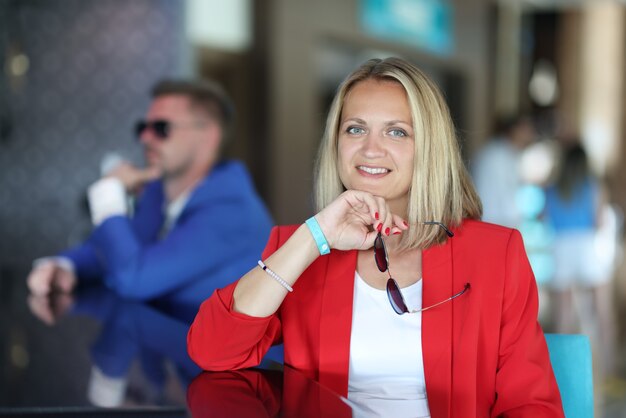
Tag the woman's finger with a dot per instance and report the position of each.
(368, 241)
(373, 206)
(399, 225)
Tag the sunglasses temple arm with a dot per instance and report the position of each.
(435, 305)
(442, 226)
(467, 286)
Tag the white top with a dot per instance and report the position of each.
(386, 376)
(172, 212)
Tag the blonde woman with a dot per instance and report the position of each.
(453, 330)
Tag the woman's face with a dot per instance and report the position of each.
(376, 142)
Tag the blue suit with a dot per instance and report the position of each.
(132, 330)
(219, 235)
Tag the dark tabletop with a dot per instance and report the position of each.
(93, 353)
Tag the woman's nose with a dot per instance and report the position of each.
(373, 146)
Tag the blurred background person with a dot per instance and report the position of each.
(581, 288)
(496, 170)
(193, 228)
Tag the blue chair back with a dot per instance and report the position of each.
(570, 355)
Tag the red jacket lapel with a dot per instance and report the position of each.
(336, 321)
(437, 328)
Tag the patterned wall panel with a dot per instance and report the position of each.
(91, 65)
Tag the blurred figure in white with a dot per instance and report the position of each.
(585, 249)
(496, 170)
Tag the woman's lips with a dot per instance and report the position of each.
(372, 171)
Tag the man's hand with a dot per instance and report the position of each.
(133, 177)
(48, 277)
(50, 308)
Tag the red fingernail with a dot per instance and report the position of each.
(379, 227)
(397, 233)
(405, 223)
(387, 231)
(376, 215)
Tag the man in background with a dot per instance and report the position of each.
(198, 223)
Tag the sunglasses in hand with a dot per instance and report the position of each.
(393, 291)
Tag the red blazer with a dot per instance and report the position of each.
(484, 352)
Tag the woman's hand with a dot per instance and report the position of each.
(353, 220)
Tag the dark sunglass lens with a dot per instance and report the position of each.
(140, 127)
(379, 254)
(395, 297)
(161, 128)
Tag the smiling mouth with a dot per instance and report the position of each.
(373, 170)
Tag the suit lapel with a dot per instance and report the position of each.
(336, 321)
(437, 328)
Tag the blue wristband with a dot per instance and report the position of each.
(318, 235)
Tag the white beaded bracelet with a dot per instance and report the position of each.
(275, 276)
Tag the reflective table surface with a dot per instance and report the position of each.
(95, 354)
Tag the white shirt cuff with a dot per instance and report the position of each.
(107, 197)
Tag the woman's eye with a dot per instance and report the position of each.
(355, 130)
(397, 133)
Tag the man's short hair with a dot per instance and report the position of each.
(203, 94)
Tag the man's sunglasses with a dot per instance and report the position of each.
(393, 291)
(161, 128)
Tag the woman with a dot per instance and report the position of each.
(575, 205)
(390, 177)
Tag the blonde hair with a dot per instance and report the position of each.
(441, 189)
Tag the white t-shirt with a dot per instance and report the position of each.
(386, 376)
